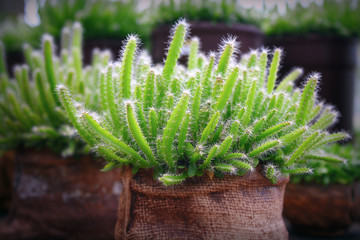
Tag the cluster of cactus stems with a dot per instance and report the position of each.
(29, 105)
(217, 115)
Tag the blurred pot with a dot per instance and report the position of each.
(13, 58)
(355, 213)
(61, 198)
(319, 210)
(6, 177)
(114, 45)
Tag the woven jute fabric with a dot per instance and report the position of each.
(6, 179)
(61, 198)
(318, 210)
(234, 207)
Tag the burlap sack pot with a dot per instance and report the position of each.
(234, 207)
(6, 176)
(61, 198)
(318, 210)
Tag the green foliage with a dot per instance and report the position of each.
(105, 19)
(224, 11)
(14, 32)
(328, 171)
(332, 18)
(100, 19)
(31, 113)
(195, 124)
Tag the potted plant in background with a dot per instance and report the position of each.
(210, 21)
(326, 202)
(58, 190)
(13, 33)
(106, 23)
(322, 38)
(205, 150)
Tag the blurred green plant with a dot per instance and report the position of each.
(329, 173)
(31, 114)
(14, 32)
(332, 18)
(100, 19)
(218, 115)
(226, 11)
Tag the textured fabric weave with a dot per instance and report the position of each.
(6, 179)
(247, 207)
(61, 198)
(319, 210)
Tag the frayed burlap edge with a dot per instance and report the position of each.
(124, 204)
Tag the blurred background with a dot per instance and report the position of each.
(316, 35)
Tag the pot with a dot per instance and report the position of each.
(6, 177)
(319, 210)
(234, 207)
(114, 45)
(13, 58)
(61, 198)
(210, 35)
(355, 212)
(334, 58)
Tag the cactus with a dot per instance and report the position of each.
(30, 109)
(220, 116)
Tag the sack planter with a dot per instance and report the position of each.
(234, 207)
(57, 197)
(210, 144)
(210, 35)
(6, 173)
(318, 210)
